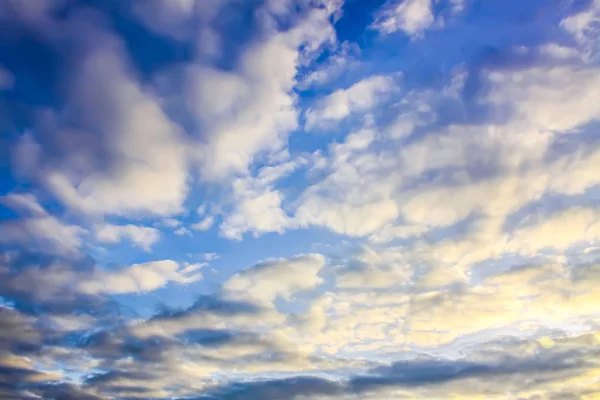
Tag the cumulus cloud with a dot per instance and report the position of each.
(410, 16)
(140, 277)
(252, 109)
(447, 230)
(47, 233)
(37, 228)
(278, 278)
(25, 203)
(63, 278)
(204, 225)
(342, 205)
(171, 222)
(534, 296)
(583, 25)
(258, 204)
(374, 269)
(141, 149)
(141, 236)
(359, 97)
(343, 60)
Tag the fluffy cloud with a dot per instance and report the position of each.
(583, 24)
(37, 228)
(204, 225)
(457, 222)
(47, 233)
(538, 96)
(343, 60)
(252, 109)
(352, 199)
(25, 203)
(140, 278)
(340, 104)
(135, 161)
(533, 297)
(558, 233)
(278, 278)
(373, 269)
(171, 222)
(370, 182)
(410, 16)
(142, 236)
(64, 278)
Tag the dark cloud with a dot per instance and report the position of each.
(214, 304)
(283, 389)
(151, 364)
(35, 284)
(17, 334)
(415, 374)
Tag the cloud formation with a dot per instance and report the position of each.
(409, 16)
(299, 200)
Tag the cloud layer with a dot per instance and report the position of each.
(299, 200)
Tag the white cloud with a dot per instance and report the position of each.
(210, 256)
(371, 180)
(556, 99)
(25, 203)
(353, 199)
(252, 109)
(558, 232)
(142, 236)
(171, 222)
(205, 224)
(584, 25)
(182, 231)
(500, 196)
(258, 205)
(375, 269)
(140, 278)
(60, 280)
(557, 51)
(341, 61)
(456, 201)
(397, 231)
(410, 16)
(260, 212)
(147, 171)
(38, 228)
(355, 220)
(277, 278)
(359, 97)
(535, 295)
(46, 232)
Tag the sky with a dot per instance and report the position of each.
(300, 199)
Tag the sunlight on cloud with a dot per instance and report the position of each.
(299, 200)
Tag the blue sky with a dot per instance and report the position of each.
(297, 199)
